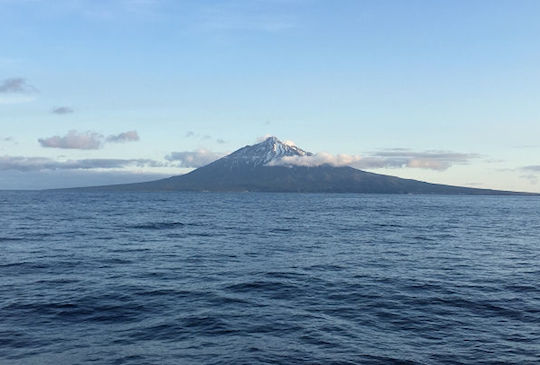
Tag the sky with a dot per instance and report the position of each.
(98, 92)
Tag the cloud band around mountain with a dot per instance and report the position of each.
(432, 160)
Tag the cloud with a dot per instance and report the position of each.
(205, 137)
(533, 179)
(63, 110)
(129, 136)
(54, 179)
(20, 163)
(436, 160)
(396, 158)
(531, 173)
(196, 158)
(74, 140)
(16, 85)
(431, 160)
(247, 16)
(534, 168)
(318, 159)
(16, 90)
(88, 140)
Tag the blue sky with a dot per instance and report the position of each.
(113, 91)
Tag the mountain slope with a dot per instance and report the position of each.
(247, 169)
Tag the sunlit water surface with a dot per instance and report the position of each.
(172, 278)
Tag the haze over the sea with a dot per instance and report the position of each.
(103, 92)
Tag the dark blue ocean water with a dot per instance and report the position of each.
(195, 278)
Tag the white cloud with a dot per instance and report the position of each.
(397, 158)
(74, 140)
(88, 140)
(129, 136)
(196, 158)
(318, 159)
(20, 163)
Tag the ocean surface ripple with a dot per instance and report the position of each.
(206, 278)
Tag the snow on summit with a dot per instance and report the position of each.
(269, 151)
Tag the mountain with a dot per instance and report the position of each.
(261, 154)
(260, 168)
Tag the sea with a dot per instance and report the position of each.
(265, 278)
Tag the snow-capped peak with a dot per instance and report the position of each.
(260, 154)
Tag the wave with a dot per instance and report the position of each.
(161, 225)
